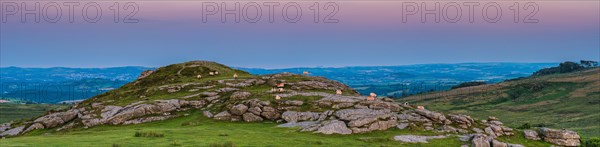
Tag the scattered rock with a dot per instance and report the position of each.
(56, 119)
(353, 114)
(12, 132)
(416, 139)
(560, 137)
(249, 117)
(531, 134)
(207, 114)
(480, 140)
(270, 113)
(334, 127)
(35, 126)
(293, 116)
(222, 116)
(402, 126)
(239, 109)
(434, 116)
(255, 110)
(463, 121)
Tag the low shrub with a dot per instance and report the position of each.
(591, 142)
(148, 134)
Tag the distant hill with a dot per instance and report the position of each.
(57, 84)
(562, 100)
(399, 81)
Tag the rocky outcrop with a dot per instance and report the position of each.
(560, 137)
(13, 131)
(482, 140)
(231, 100)
(293, 116)
(239, 109)
(4, 127)
(145, 74)
(378, 105)
(240, 95)
(134, 113)
(249, 117)
(56, 119)
(461, 120)
(334, 127)
(34, 126)
(434, 116)
(270, 113)
(531, 134)
(353, 114)
(495, 128)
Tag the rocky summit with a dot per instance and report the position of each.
(310, 104)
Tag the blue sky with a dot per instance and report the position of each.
(362, 37)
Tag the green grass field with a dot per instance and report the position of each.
(196, 130)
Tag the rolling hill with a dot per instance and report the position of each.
(566, 100)
(203, 103)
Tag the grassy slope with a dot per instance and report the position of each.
(10, 111)
(559, 101)
(196, 130)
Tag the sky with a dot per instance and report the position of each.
(348, 33)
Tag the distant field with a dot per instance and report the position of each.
(569, 101)
(11, 111)
(196, 130)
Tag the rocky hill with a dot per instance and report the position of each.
(311, 104)
(566, 100)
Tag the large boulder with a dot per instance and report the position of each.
(480, 140)
(222, 116)
(131, 112)
(270, 113)
(57, 119)
(334, 127)
(110, 111)
(531, 134)
(379, 125)
(353, 114)
(13, 131)
(560, 137)
(382, 105)
(293, 116)
(249, 117)
(255, 110)
(4, 127)
(34, 126)
(434, 116)
(239, 109)
(463, 121)
(362, 121)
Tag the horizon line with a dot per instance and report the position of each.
(140, 66)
